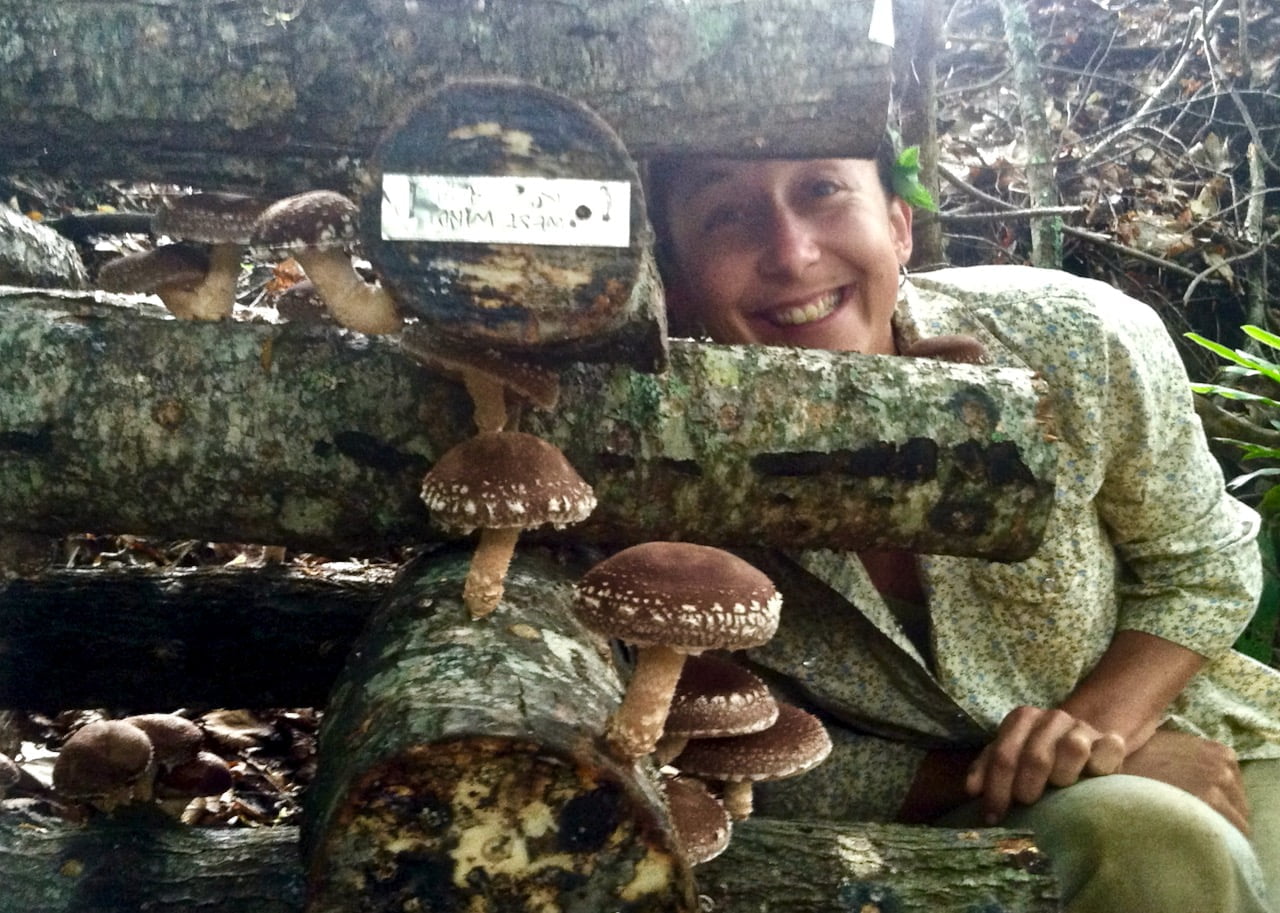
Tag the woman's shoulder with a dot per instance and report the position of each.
(1013, 298)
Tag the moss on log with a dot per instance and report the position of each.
(116, 420)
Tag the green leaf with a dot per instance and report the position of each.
(1263, 336)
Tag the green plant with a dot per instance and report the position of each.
(1252, 370)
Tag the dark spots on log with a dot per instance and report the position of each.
(976, 407)
(416, 875)
(915, 460)
(866, 896)
(367, 450)
(960, 517)
(615, 462)
(1005, 466)
(586, 821)
(36, 443)
(688, 468)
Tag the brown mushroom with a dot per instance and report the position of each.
(301, 303)
(489, 375)
(224, 221)
(797, 742)
(175, 740)
(205, 774)
(104, 763)
(316, 228)
(502, 482)
(671, 599)
(701, 823)
(958, 347)
(714, 698)
(172, 272)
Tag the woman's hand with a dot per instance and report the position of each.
(1035, 748)
(1206, 769)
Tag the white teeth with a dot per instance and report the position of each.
(814, 310)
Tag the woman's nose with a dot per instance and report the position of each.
(789, 243)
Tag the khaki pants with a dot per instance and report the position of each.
(1125, 844)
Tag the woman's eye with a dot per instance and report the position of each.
(823, 188)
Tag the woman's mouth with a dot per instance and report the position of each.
(797, 315)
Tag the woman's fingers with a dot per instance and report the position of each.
(1033, 749)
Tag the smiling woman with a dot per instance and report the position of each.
(989, 692)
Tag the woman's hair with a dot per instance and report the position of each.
(660, 173)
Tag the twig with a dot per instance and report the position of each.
(1032, 212)
(1218, 422)
(1226, 261)
(1104, 241)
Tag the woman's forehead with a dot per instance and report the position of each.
(695, 175)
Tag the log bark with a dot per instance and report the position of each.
(48, 866)
(462, 763)
(826, 867)
(126, 865)
(31, 254)
(286, 96)
(114, 421)
(157, 639)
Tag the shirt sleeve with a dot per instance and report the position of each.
(1190, 571)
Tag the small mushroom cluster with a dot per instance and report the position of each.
(699, 712)
(194, 274)
(151, 756)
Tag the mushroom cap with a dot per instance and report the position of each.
(211, 218)
(145, 273)
(795, 743)
(533, 383)
(317, 219)
(101, 758)
(716, 698)
(701, 823)
(205, 774)
(681, 595)
(174, 739)
(506, 480)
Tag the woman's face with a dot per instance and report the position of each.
(779, 252)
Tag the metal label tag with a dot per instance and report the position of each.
(506, 210)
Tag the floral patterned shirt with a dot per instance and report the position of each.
(1142, 536)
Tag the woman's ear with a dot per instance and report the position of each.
(900, 228)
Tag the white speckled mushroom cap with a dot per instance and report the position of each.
(715, 697)
(316, 219)
(212, 217)
(505, 480)
(795, 743)
(681, 595)
(701, 823)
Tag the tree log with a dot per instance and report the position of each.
(150, 640)
(287, 95)
(462, 764)
(114, 421)
(828, 867)
(48, 866)
(31, 254)
(123, 865)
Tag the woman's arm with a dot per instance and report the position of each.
(1110, 715)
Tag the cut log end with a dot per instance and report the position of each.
(499, 824)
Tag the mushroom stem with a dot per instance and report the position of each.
(668, 748)
(738, 799)
(637, 724)
(216, 296)
(483, 588)
(354, 303)
(488, 397)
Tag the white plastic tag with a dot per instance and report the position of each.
(506, 210)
